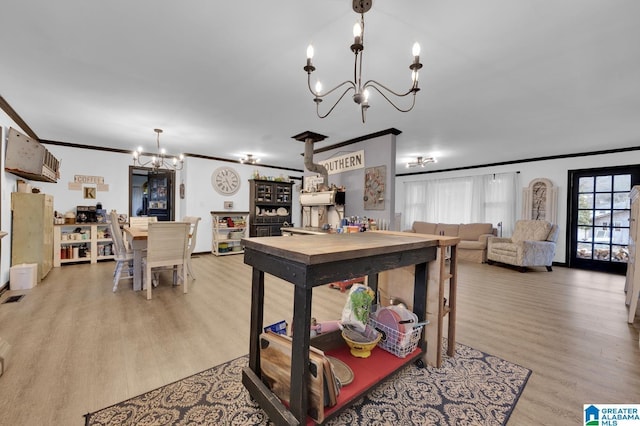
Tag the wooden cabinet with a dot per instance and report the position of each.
(228, 230)
(81, 242)
(632, 284)
(270, 207)
(32, 232)
(310, 261)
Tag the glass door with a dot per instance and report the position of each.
(600, 213)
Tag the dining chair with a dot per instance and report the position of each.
(121, 254)
(141, 221)
(166, 247)
(193, 221)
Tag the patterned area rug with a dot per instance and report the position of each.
(473, 388)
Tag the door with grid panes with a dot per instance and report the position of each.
(599, 221)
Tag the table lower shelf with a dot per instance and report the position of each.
(368, 372)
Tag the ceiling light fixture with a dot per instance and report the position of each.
(158, 160)
(421, 161)
(249, 159)
(361, 92)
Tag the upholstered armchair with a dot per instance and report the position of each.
(533, 243)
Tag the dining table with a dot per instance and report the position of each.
(137, 239)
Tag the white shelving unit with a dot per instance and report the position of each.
(228, 229)
(81, 242)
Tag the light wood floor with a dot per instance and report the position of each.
(78, 347)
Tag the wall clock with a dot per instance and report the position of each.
(225, 180)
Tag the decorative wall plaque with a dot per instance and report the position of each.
(539, 200)
(374, 187)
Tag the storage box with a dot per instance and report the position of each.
(23, 276)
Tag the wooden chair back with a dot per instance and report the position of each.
(193, 232)
(167, 243)
(142, 222)
(119, 248)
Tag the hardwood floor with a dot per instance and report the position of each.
(78, 347)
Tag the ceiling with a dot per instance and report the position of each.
(502, 80)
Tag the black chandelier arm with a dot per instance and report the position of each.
(318, 95)
(376, 85)
(413, 90)
(334, 105)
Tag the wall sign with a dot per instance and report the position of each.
(88, 179)
(344, 163)
(90, 185)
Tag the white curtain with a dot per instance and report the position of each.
(486, 199)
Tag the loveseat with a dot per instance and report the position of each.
(473, 237)
(533, 243)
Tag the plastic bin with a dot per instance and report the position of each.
(23, 276)
(398, 343)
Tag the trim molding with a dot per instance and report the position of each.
(126, 151)
(392, 131)
(527, 160)
(4, 105)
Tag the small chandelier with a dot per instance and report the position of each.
(361, 92)
(159, 160)
(249, 159)
(421, 161)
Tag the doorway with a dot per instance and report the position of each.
(151, 193)
(600, 212)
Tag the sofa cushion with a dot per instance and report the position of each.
(424, 227)
(472, 231)
(447, 229)
(531, 230)
(472, 245)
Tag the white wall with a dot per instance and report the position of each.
(200, 197)
(8, 185)
(378, 151)
(556, 170)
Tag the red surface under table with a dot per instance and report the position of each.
(367, 373)
(343, 285)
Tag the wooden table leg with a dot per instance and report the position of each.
(453, 290)
(257, 316)
(420, 286)
(298, 397)
(137, 246)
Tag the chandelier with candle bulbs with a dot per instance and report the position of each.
(249, 159)
(160, 160)
(360, 90)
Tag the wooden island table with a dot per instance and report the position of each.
(313, 260)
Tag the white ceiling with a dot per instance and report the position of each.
(502, 79)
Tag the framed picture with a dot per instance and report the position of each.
(374, 187)
(90, 192)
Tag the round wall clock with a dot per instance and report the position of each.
(225, 180)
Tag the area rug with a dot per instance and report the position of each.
(472, 388)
